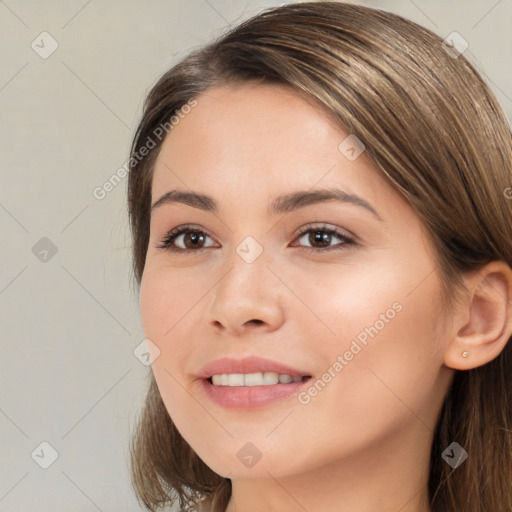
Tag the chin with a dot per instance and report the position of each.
(247, 461)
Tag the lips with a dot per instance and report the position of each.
(250, 364)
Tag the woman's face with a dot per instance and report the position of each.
(361, 318)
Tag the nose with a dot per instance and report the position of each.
(247, 297)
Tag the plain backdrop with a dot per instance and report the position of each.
(71, 385)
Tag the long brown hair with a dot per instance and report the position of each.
(436, 132)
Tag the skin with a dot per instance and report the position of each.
(363, 442)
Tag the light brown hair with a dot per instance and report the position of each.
(436, 132)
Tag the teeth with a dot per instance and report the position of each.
(253, 379)
(235, 379)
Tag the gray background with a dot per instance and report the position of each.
(69, 321)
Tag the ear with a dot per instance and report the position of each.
(482, 321)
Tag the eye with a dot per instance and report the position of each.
(191, 237)
(323, 235)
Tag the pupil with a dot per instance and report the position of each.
(194, 237)
(321, 237)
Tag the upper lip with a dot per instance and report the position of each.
(250, 364)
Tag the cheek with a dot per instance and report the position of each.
(382, 317)
(166, 300)
(385, 325)
(172, 303)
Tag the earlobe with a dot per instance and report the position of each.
(482, 322)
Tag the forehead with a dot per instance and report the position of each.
(252, 121)
(234, 130)
(260, 141)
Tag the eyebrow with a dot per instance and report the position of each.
(282, 204)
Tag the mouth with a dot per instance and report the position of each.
(251, 382)
(253, 391)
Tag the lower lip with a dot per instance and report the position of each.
(250, 397)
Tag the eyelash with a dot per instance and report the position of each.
(167, 241)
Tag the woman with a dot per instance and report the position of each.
(322, 240)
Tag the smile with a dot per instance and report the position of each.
(253, 379)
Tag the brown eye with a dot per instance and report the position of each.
(184, 239)
(321, 237)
